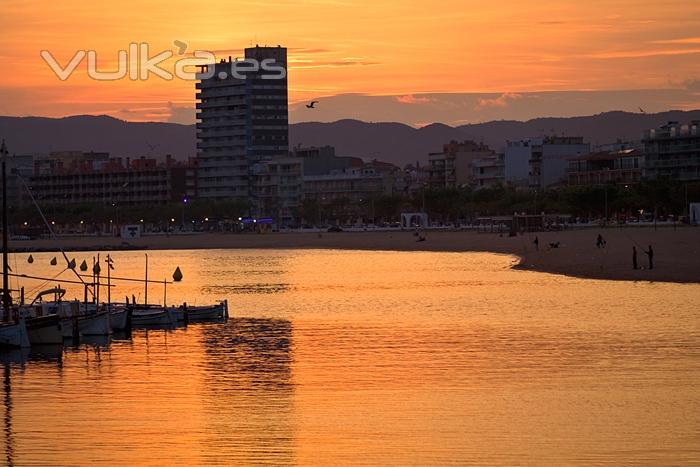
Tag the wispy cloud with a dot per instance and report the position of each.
(503, 100)
(411, 99)
(684, 40)
(642, 53)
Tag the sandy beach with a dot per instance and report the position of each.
(677, 251)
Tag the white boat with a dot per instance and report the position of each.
(119, 318)
(45, 330)
(151, 316)
(14, 334)
(207, 312)
(95, 324)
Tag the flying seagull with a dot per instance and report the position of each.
(311, 105)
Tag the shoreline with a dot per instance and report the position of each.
(677, 251)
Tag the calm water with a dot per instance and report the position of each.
(370, 358)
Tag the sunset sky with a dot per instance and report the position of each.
(446, 60)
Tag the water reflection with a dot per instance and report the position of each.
(249, 400)
(7, 419)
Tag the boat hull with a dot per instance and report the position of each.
(206, 313)
(119, 319)
(151, 317)
(45, 330)
(88, 325)
(14, 334)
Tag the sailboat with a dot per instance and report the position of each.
(13, 330)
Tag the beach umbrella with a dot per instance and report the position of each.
(177, 275)
(30, 260)
(83, 266)
(54, 261)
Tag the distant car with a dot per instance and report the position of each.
(334, 228)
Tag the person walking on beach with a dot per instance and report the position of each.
(537, 243)
(635, 266)
(650, 256)
(600, 242)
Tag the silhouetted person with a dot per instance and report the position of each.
(537, 243)
(600, 242)
(634, 258)
(650, 256)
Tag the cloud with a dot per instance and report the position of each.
(182, 114)
(412, 99)
(643, 53)
(503, 100)
(684, 40)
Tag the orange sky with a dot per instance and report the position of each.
(394, 47)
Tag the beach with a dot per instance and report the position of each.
(676, 251)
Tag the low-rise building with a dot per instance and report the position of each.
(489, 171)
(673, 152)
(453, 167)
(277, 189)
(542, 162)
(623, 167)
(75, 180)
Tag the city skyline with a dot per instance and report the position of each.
(455, 63)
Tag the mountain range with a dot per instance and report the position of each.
(392, 142)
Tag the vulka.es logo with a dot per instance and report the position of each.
(136, 63)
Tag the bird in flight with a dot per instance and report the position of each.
(311, 105)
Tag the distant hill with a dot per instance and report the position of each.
(399, 143)
(31, 135)
(392, 142)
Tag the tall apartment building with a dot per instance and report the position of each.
(454, 166)
(242, 122)
(673, 151)
(542, 162)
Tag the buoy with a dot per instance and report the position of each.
(83, 266)
(96, 268)
(54, 262)
(30, 260)
(177, 275)
(71, 264)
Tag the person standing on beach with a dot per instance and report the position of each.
(650, 256)
(537, 243)
(635, 266)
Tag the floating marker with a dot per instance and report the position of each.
(30, 260)
(54, 262)
(96, 268)
(83, 266)
(71, 264)
(177, 275)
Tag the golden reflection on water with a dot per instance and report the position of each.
(369, 358)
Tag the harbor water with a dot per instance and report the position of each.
(365, 358)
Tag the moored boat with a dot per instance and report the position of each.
(14, 334)
(151, 316)
(207, 312)
(45, 329)
(119, 318)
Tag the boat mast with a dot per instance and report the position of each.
(146, 283)
(6, 299)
